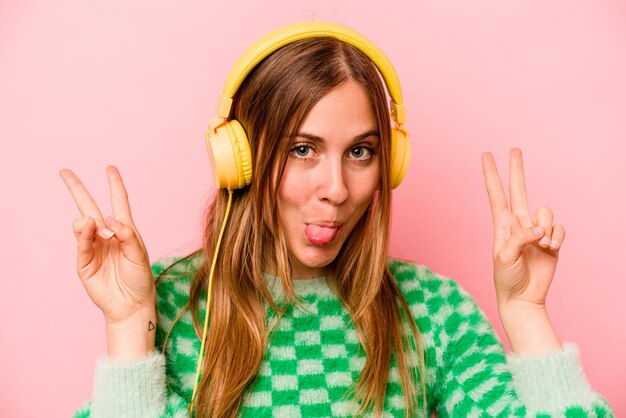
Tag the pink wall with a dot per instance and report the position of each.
(86, 84)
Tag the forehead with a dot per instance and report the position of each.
(344, 111)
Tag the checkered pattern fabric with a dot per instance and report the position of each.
(314, 356)
(313, 359)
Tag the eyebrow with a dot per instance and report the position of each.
(316, 138)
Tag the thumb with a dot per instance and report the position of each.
(129, 240)
(513, 247)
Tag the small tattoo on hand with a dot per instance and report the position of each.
(150, 326)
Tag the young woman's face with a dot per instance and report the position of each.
(330, 178)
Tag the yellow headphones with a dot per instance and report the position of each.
(227, 143)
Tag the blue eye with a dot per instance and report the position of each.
(302, 150)
(361, 153)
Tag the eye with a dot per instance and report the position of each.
(302, 152)
(361, 152)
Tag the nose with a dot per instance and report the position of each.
(332, 185)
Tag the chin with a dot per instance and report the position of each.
(312, 262)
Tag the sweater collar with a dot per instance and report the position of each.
(317, 286)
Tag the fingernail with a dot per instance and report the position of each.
(105, 233)
(544, 241)
(554, 244)
(538, 230)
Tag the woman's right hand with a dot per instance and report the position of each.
(112, 261)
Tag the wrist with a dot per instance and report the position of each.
(528, 329)
(133, 338)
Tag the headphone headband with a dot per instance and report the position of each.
(302, 30)
(227, 142)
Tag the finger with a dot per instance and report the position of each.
(119, 200)
(544, 218)
(129, 242)
(85, 203)
(497, 198)
(101, 230)
(85, 238)
(558, 236)
(119, 196)
(517, 186)
(512, 250)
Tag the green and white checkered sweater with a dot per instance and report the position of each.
(314, 356)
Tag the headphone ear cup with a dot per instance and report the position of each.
(243, 155)
(230, 156)
(400, 156)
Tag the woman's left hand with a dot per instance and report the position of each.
(525, 248)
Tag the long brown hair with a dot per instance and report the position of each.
(271, 105)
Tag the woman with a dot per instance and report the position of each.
(308, 315)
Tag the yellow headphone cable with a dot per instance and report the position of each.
(208, 300)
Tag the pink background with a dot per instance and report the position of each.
(86, 84)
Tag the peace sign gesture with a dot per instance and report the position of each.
(112, 261)
(525, 248)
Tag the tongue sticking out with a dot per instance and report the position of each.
(320, 234)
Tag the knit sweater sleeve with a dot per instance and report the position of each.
(134, 389)
(141, 388)
(471, 375)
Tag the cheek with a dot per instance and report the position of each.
(292, 193)
(366, 187)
